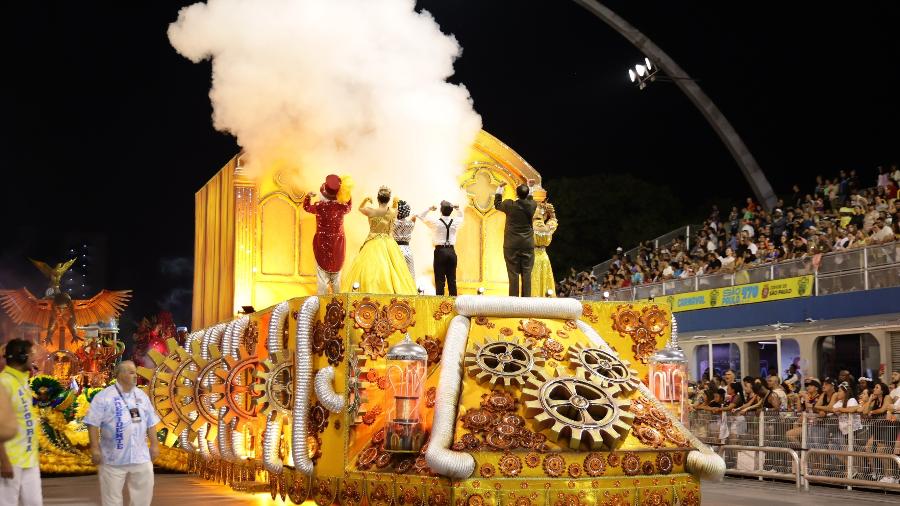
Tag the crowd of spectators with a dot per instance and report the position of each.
(838, 214)
(836, 409)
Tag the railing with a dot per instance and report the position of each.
(795, 462)
(876, 266)
(660, 242)
(804, 447)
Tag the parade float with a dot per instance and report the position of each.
(357, 398)
(378, 399)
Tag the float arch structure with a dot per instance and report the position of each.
(745, 160)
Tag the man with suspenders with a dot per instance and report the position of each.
(443, 232)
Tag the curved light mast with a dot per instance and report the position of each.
(755, 176)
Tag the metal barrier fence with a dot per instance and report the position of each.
(876, 266)
(851, 450)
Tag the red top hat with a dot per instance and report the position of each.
(330, 187)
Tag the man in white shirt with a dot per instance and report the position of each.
(895, 385)
(443, 236)
(126, 419)
(881, 233)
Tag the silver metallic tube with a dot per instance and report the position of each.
(526, 307)
(212, 337)
(302, 384)
(331, 400)
(439, 456)
(273, 424)
(704, 463)
(237, 332)
(225, 436)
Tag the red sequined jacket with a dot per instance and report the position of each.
(328, 243)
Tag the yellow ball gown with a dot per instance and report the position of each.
(542, 272)
(380, 266)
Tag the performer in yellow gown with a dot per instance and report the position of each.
(380, 266)
(542, 274)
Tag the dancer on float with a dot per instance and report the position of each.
(403, 229)
(542, 273)
(380, 267)
(329, 243)
(518, 237)
(443, 235)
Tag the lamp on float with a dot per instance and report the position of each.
(406, 372)
(606, 295)
(668, 375)
(480, 290)
(355, 286)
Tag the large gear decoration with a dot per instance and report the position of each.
(275, 387)
(603, 367)
(166, 389)
(506, 362)
(237, 388)
(208, 387)
(580, 410)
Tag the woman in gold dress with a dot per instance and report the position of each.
(380, 266)
(542, 274)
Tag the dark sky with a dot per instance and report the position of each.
(107, 131)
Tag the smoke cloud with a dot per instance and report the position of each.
(358, 87)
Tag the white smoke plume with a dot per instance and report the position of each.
(352, 87)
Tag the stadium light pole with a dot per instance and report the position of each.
(729, 136)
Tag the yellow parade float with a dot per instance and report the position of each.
(364, 399)
(478, 400)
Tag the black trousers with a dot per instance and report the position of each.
(519, 263)
(445, 270)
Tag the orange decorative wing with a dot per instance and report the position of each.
(23, 307)
(101, 307)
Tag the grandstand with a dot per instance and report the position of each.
(816, 279)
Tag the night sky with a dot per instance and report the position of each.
(107, 131)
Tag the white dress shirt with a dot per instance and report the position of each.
(122, 441)
(443, 229)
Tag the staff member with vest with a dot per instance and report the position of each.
(518, 237)
(120, 422)
(20, 475)
(443, 232)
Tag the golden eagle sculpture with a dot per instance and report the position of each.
(57, 306)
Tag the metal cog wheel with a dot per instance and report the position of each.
(276, 389)
(166, 387)
(603, 367)
(237, 388)
(207, 388)
(505, 362)
(580, 410)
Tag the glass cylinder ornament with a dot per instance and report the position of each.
(406, 372)
(668, 376)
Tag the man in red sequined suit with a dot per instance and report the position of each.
(329, 242)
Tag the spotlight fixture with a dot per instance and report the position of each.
(606, 295)
(480, 290)
(356, 286)
(646, 72)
